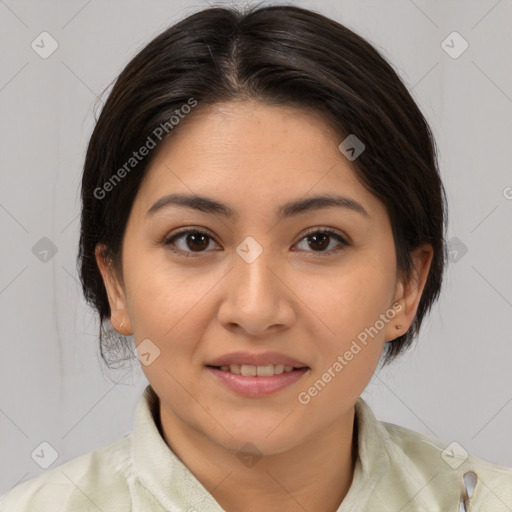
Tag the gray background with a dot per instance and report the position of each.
(455, 384)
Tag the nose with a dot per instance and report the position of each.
(257, 294)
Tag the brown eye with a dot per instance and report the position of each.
(197, 241)
(191, 241)
(320, 240)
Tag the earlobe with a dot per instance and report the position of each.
(408, 294)
(119, 317)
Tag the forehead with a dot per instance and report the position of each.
(248, 129)
(251, 154)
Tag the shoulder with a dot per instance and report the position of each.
(95, 480)
(448, 463)
(430, 450)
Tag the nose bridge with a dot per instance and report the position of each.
(256, 296)
(253, 268)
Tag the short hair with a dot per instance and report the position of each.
(278, 55)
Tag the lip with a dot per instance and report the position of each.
(262, 359)
(255, 387)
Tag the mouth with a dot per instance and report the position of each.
(257, 375)
(268, 370)
(253, 381)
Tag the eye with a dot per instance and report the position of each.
(193, 239)
(196, 241)
(320, 240)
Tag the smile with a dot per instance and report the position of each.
(256, 381)
(248, 370)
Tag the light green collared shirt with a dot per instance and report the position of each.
(397, 470)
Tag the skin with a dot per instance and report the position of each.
(293, 298)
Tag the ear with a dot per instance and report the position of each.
(119, 316)
(408, 295)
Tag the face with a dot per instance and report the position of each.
(196, 285)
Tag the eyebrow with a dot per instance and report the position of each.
(290, 209)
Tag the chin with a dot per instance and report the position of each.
(262, 439)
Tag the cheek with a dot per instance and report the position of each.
(352, 298)
(172, 301)
(165, 301)
(350, 337)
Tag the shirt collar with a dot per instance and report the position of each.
(164, 476)
(158, 468)
(372, 460)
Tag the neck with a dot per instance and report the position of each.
(315, 475)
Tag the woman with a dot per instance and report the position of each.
(262, 210)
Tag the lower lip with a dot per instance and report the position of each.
(257, 386)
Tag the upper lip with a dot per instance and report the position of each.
(261, 359)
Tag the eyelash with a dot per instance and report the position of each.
(169, 241)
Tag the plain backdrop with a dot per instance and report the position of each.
(455, 384)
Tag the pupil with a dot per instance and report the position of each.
(324, 238)
(195, 237)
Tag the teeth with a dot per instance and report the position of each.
(248, 371)
(265, 371)
(261, 371)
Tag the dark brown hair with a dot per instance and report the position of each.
(279, 55)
